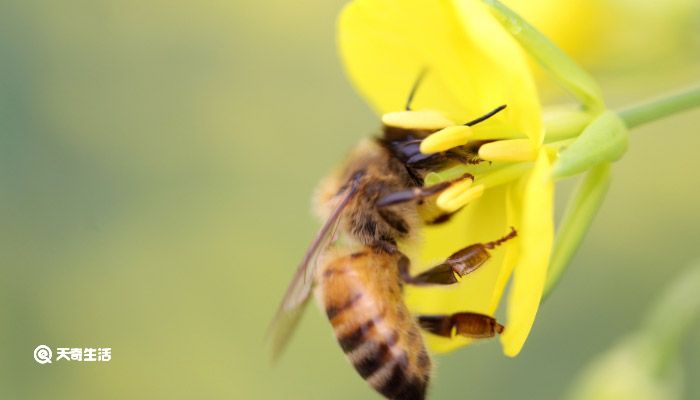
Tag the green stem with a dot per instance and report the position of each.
(580, 211)
(661, 107)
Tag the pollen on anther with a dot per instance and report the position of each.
(445, 139)
(452, 200)
(423, 119)
(455, 190)
(508, 150)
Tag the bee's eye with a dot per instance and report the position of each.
(420, 120)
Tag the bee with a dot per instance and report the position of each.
(374, 205)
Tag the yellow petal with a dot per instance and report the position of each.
(514, 202)
(511, 77)
(473, 64)
(536, 233)
(481, 221)
(565, 22)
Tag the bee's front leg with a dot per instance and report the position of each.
(459, 264)
(419, 193)
(471, 325)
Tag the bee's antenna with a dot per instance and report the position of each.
(416, 83)
(486, 116)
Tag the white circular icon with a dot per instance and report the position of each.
(43, 354)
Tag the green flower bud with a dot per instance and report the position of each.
(604, 140)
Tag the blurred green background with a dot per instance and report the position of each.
(156, 164)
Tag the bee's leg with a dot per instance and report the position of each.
(471, 325)
(419, 193)
(441, 218)
(439, 275)
(459, 264)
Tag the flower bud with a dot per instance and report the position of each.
(604, 140)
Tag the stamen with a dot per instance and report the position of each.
(504, 175)
(508, 150)
(490, 177)
(445, 139)
(455, 190)
(423, 120)
(458, 196)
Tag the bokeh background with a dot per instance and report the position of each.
(156, 163)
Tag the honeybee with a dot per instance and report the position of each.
(375, 202)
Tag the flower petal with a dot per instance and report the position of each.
(536, 234)
(514, 202)
(472, 63)
(561, 67)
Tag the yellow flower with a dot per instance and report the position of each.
(473, 65)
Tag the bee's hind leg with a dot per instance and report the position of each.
(462, 262)
(471, 325)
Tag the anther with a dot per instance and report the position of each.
(446, 139)
(508, 150)
(459, 195)
(423, 120)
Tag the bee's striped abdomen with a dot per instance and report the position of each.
(362, 298)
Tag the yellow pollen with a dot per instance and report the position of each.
(424, 120)
(446, 139)
(508, 150)
(452, 200)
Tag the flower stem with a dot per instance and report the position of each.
(661, 107)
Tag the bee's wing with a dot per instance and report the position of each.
(297, 295)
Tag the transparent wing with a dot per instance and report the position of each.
(297, 295)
